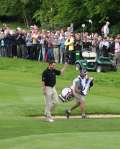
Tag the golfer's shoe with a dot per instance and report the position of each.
(84, 116)
(67, 113)
(61, 98)
(49, 119)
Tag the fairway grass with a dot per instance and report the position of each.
(25, 132)
(87, 140)
(21, 99)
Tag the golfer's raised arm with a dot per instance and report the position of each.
(63, 69)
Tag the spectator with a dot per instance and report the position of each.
(117, 50)
(69, 43)
(62, 48)
(105, 29)
(28, 40)
(56, 48)
(2, 44)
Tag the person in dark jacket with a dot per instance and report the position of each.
(49, 90)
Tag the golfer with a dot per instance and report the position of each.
(49, 90)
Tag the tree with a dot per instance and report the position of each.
(21, 9)
(101, 11)
(61, 13)
(9, 8)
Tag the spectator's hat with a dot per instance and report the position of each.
(18, 29)
(108, 22)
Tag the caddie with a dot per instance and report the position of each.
(80, 88)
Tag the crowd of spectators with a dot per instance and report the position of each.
(60, 45)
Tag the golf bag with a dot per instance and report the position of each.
(66, 94)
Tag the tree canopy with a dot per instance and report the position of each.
(61, 13)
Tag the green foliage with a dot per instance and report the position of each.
(9, 8)
(21, 9)
(13, 25)
(115, 29)
(101, 11)
(77, 12)
(45, 14)
(61, 13)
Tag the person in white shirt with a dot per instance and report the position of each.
(105, 29)
(104, 47)
(117, 51)
(80, 89)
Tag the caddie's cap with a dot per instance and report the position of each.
(83, 70)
